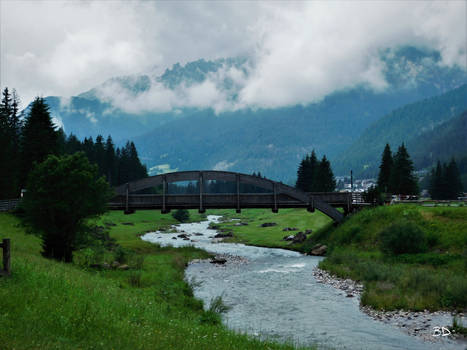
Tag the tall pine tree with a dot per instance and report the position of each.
(402, 179)
(325, 179)
(38, 139)
(445, 181)
(10, 129)
(385, 168)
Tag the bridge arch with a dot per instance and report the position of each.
(279, 196)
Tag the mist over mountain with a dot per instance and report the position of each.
(193, 116)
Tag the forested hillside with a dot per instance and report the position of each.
(443, 142)
(406, 124)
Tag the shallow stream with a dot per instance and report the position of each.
(273, 294)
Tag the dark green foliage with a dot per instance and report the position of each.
(181, 215)
(325, 179)
(39, 137)
(403, 237)
(129, 165)
(402, 179)
(10, 130)
(314, 175)
(445, 181)
(62, 193)
(119, 166)
(373, 195)
(385, 169)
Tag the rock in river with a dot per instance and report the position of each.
(299, 237)
(319, 250)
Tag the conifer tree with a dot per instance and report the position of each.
(38, 139)
(301, 184)
(453, 179)
(314, 175)
(73, 145)
(327, 182)
(110, 162)
(445, 181)
(385, 169)
(311, 172)
(5, 144)
(99, 154)
(402, 180)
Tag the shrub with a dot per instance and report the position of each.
(181, 215)
(218, 306)
(403, 237)
(121, 255)
(210, 317)
(134, 279)
(63, 193)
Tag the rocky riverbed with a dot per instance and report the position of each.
(421, 324)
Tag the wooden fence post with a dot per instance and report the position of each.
(6, 256)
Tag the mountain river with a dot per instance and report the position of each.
(274, 295)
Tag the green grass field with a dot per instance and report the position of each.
(254, 234)
(51, 305)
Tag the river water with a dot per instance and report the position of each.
(273, 294)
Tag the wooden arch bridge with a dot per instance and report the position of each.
(276, 195)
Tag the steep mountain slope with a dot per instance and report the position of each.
(171, 133)
(402, 125)
(442, 143)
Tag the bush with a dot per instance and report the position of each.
(63, 193)
(134, 279)
(403, 237)
(121, 255)
(181, 215)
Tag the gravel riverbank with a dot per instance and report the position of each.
(421, 324)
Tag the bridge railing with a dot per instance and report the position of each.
(9, 204)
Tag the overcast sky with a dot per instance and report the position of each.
(302, 51)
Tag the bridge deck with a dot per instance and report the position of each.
(325, 202)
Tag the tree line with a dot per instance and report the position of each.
(26, 140)
(396, 172)
(445, 181)
(396, 176)
(64, 177)
(117, 165)
(314, 175)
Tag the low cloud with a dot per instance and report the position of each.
(298, 52)
(224, 165)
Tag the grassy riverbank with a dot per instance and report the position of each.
(254, 234)
(433, 278)
(51, 305)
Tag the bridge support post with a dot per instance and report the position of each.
(164, 195)
(238, 210)
(349, 204)
(127, 199)
(201, 185)
(311, 207)
(275, 208)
